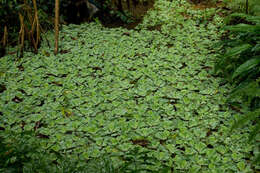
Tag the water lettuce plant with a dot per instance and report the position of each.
(146, 97)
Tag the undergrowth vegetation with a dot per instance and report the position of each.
(118, 100)
(240, 64)
(241, 5)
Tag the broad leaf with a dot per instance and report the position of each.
(248, 65)
(243, 28)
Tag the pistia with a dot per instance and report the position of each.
(146, 99)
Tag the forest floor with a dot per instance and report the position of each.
(149, 93)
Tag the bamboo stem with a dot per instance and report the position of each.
(5, 38)
(56, 27)
(247, 7)
(37, 25)
(21, 34)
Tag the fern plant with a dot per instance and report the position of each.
(240, 64)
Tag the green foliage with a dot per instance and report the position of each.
(240, 6)
(9, 14)
(19, 152)
(136, 160)
(144, 97)
(9, 17)
(23, 152)
(240, 63)
(125, 17)
(246, 67)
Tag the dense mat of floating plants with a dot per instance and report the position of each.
(114, 90)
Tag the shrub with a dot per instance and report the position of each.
(240, 64)
(240, 6)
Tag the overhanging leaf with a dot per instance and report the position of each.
(246, 66)
(243, 28)
(237, 50)
(246, 118)
(250, 18)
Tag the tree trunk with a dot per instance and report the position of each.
(56, 26)
(247, 7)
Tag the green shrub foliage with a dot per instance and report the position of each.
(22, 152)
(240, 64)
(240, 6)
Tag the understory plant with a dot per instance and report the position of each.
(240, 64)
(250, 6)
(22, 152)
